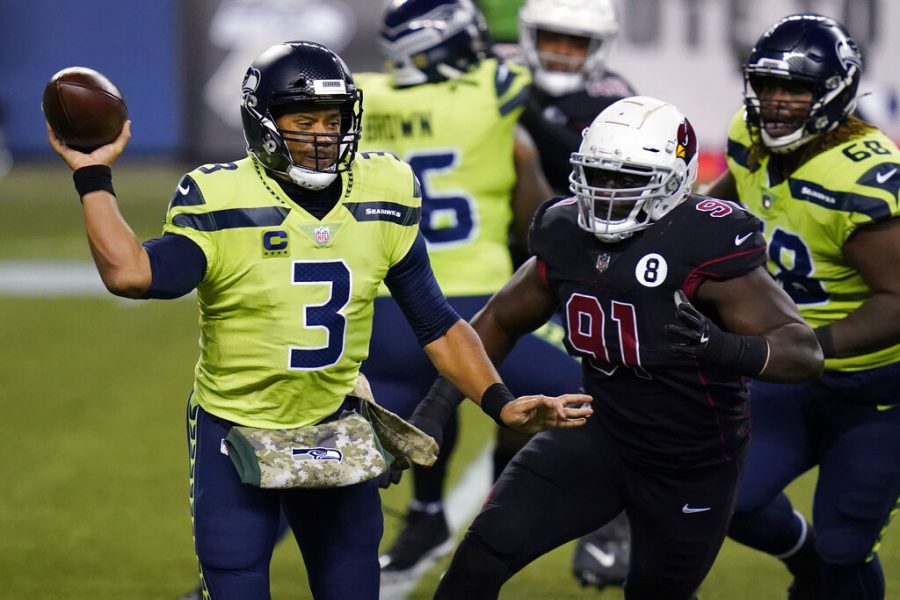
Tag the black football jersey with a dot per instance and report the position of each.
(615, 301)
(556, 122)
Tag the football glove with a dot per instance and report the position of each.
(699, 338)
(696, 337)
(436, 408)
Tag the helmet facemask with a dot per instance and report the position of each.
(617, 199)
(327, 154)
(637, 161)
(594, 21)
(301, 77)
(820, 114)
(806, 52)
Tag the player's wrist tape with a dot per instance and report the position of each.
(494, 399)
(746, 354)
(93, 178)
(826, 340)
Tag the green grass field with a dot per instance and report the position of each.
(93, 454)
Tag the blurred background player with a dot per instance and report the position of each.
(244, 235)
(450, 110)
(566, 45)
(825, 184)
(669, 428)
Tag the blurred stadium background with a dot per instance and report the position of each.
(93, 503)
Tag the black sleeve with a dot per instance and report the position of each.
(555, 144)
(177, 265)
(412, 284)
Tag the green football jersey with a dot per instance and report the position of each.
(808, 218)
(287, 299)
(458, 137)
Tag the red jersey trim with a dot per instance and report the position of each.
(698, 275)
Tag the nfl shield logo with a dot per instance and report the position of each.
(602, 262)
(323, 235)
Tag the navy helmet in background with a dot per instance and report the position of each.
(811, 50)
(426, 41)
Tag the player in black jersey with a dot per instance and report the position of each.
(566, 45)
(665, 297)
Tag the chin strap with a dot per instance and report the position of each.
(309, 179)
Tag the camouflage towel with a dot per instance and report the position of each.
(333, 454)
(406, 442)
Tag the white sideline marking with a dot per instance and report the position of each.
(461, 505)
(54, 279)
(43, 278)
(466, 498)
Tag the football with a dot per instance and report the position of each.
(84, 108)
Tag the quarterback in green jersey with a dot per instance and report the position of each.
(825, 185)
(287, 249)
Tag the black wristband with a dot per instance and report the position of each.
(93, 178)
(746, 354)
(494, 399)
(826, 340)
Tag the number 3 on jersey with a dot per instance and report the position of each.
(448, 218)
(327, 316)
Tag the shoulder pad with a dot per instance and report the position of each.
(541, 221)
(609, 85)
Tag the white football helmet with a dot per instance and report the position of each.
(637, 161)
(596, 20)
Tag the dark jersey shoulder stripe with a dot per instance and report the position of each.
(233, 218)
(876, 208)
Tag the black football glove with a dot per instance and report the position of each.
(393, 474)
(696, 337)
(699, 338)
(436, 408)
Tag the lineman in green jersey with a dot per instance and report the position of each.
(825, 184)
(287, 249)
(451, 110)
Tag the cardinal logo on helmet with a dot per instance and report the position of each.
(687, 142)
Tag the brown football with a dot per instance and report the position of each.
(84, 108)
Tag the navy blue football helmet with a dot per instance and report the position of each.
(814, 51)
(426, 41)
(300, 75)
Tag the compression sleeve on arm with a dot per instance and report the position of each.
(412, 284)
(177, 265)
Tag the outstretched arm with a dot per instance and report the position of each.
(518, 308)
(122, 262)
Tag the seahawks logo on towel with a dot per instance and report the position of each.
(317, 454)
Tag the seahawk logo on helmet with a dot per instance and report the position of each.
(300, 74)
(251, 82)
(637, 161)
